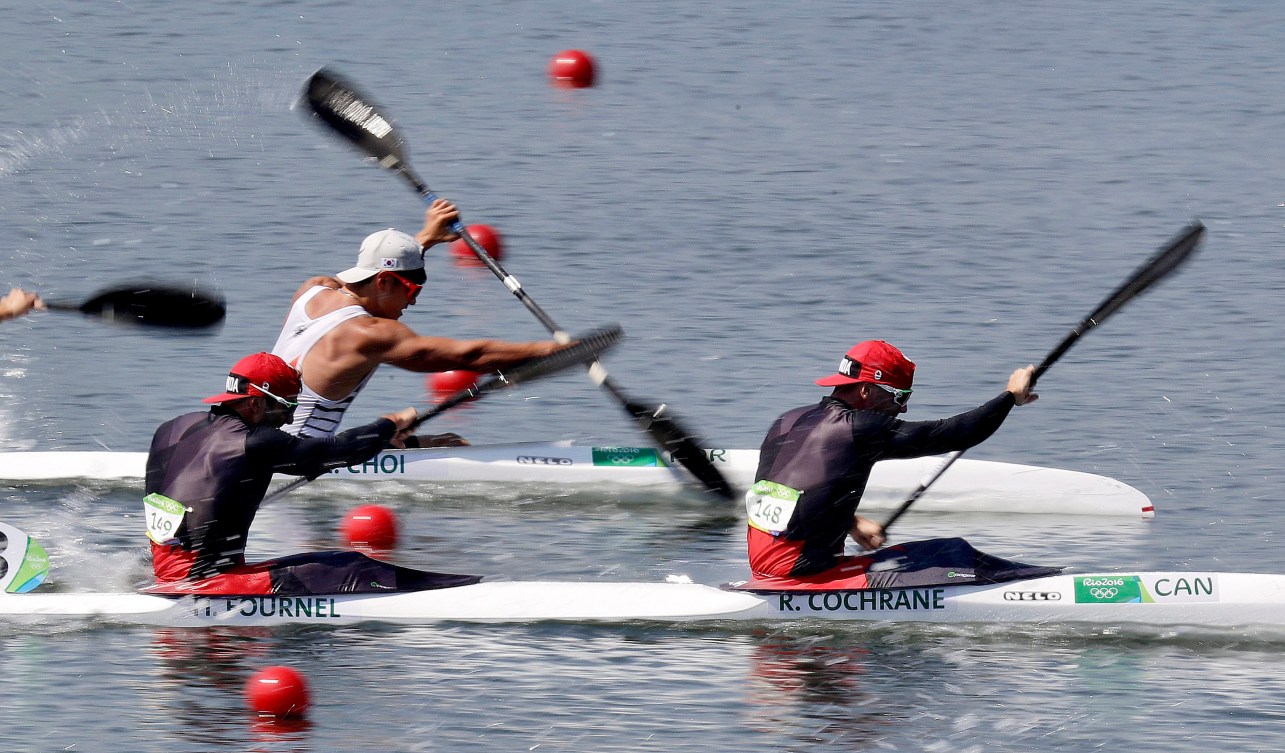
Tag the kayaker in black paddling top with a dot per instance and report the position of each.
(341, 329)
(815, 461)
(208, 471)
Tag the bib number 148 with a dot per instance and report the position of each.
(769, 506)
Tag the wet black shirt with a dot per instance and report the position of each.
(827, 450)
(219, 467)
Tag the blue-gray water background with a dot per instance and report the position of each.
(748, 190)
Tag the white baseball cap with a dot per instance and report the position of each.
(386, 251)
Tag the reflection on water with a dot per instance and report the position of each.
(926, 687)
(646, 687)
(813, 690)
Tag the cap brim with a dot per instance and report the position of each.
(226, 397)
(836, 380)
(356, 274)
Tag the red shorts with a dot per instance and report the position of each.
(772, 558)
(171, 564)
(332, 572)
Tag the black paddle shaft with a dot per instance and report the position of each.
(1158, 267)
(585, 350)
(354, 116)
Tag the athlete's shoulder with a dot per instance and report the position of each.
(868, 421)
(373, 332)
(178, 425)
(320, 281)
(266, 439)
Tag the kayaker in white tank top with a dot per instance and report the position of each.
(353, 329)
(316, 416)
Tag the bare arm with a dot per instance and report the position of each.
(388, 341)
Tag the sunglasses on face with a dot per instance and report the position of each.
(288, 404)
(899, 397)
(412, 288)
(240, 386)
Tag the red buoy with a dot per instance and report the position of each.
(372, 526)
(278, 692)
(443, 384)
(572, 68)
(487, 237)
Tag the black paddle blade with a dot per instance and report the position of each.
(1168, 259)
(1155, 269)
(586, 350)
(670, 436)
(352, 114)
(156, 305)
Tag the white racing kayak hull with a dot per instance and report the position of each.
(969, 486)
(1215, 600)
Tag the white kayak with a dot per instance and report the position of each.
(1209, 599)
(969, 485)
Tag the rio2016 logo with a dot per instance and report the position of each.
(1115, 589)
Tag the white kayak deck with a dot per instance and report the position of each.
(969, 486)
(1209, 599)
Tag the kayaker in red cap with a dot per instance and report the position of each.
(207, 473)
(815, 460)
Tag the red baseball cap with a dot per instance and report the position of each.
(873, 361)
(261, 374)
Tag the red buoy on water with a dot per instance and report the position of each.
(443, 384)
(373, 526)
(572, 68)
(487, 237)
(278, 692)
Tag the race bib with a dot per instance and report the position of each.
(770, 506)
(164, 516)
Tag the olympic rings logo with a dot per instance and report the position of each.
(1104, 593)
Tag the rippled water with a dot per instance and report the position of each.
(748, 191)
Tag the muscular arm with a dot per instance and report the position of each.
(388, 341)
(917, 438)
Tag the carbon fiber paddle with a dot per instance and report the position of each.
(353, 115)
(154, 305)
(1158, 267)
